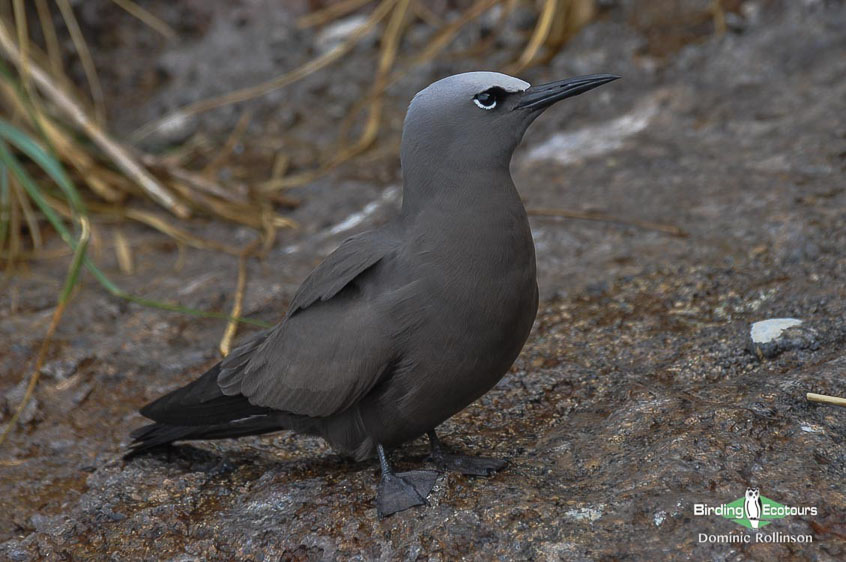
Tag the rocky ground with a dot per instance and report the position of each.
(636, 397)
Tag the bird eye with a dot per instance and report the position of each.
(485, 100)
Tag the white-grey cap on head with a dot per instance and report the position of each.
(477, 119)
(469, 84)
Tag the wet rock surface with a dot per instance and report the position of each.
(635, 398)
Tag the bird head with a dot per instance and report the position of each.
(478, 118)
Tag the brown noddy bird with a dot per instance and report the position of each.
(405, 325)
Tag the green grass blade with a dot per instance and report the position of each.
(76, 263)
(51, 165)
(5, 204)
(193, 311)
(14, 166)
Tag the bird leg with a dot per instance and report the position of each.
(476, 466)
(400, 491)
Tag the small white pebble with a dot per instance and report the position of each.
(766, 331)
(808, 428)
(586, 513)
(173, 123)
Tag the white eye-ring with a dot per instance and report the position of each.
(485, 100)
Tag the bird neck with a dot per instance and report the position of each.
(456, 180)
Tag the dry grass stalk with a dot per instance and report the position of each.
(825, 399)
(123, 252)
(166, 168)
(150, 219)
(570, 17)
(77, 115)
(539, 35)
(29, 215)
(216, 163)
(14, 226)
(330, 13)
(85, 58)
(237, 306)
(602, 217)
(23, 40)
(149, 19)
(426, 14)
(388, 54)
(14, 233)
(719, 17)
(51, 40)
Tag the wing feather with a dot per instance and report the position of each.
(333, 346)
(354, 256)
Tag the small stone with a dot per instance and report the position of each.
(12, 399)
(335, 34)
(60, 369)
(173, 130)
(15, 551)
(769, 338)
(735, 22)
(588, 513)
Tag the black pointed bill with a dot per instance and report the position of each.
(539, 97)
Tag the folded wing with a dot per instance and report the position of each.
(334, 345)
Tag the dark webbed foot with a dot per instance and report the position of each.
(475, 466)
(400, 491)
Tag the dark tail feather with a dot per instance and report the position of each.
(201, 403)
(158, 434)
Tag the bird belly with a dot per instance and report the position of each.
(458, 355)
